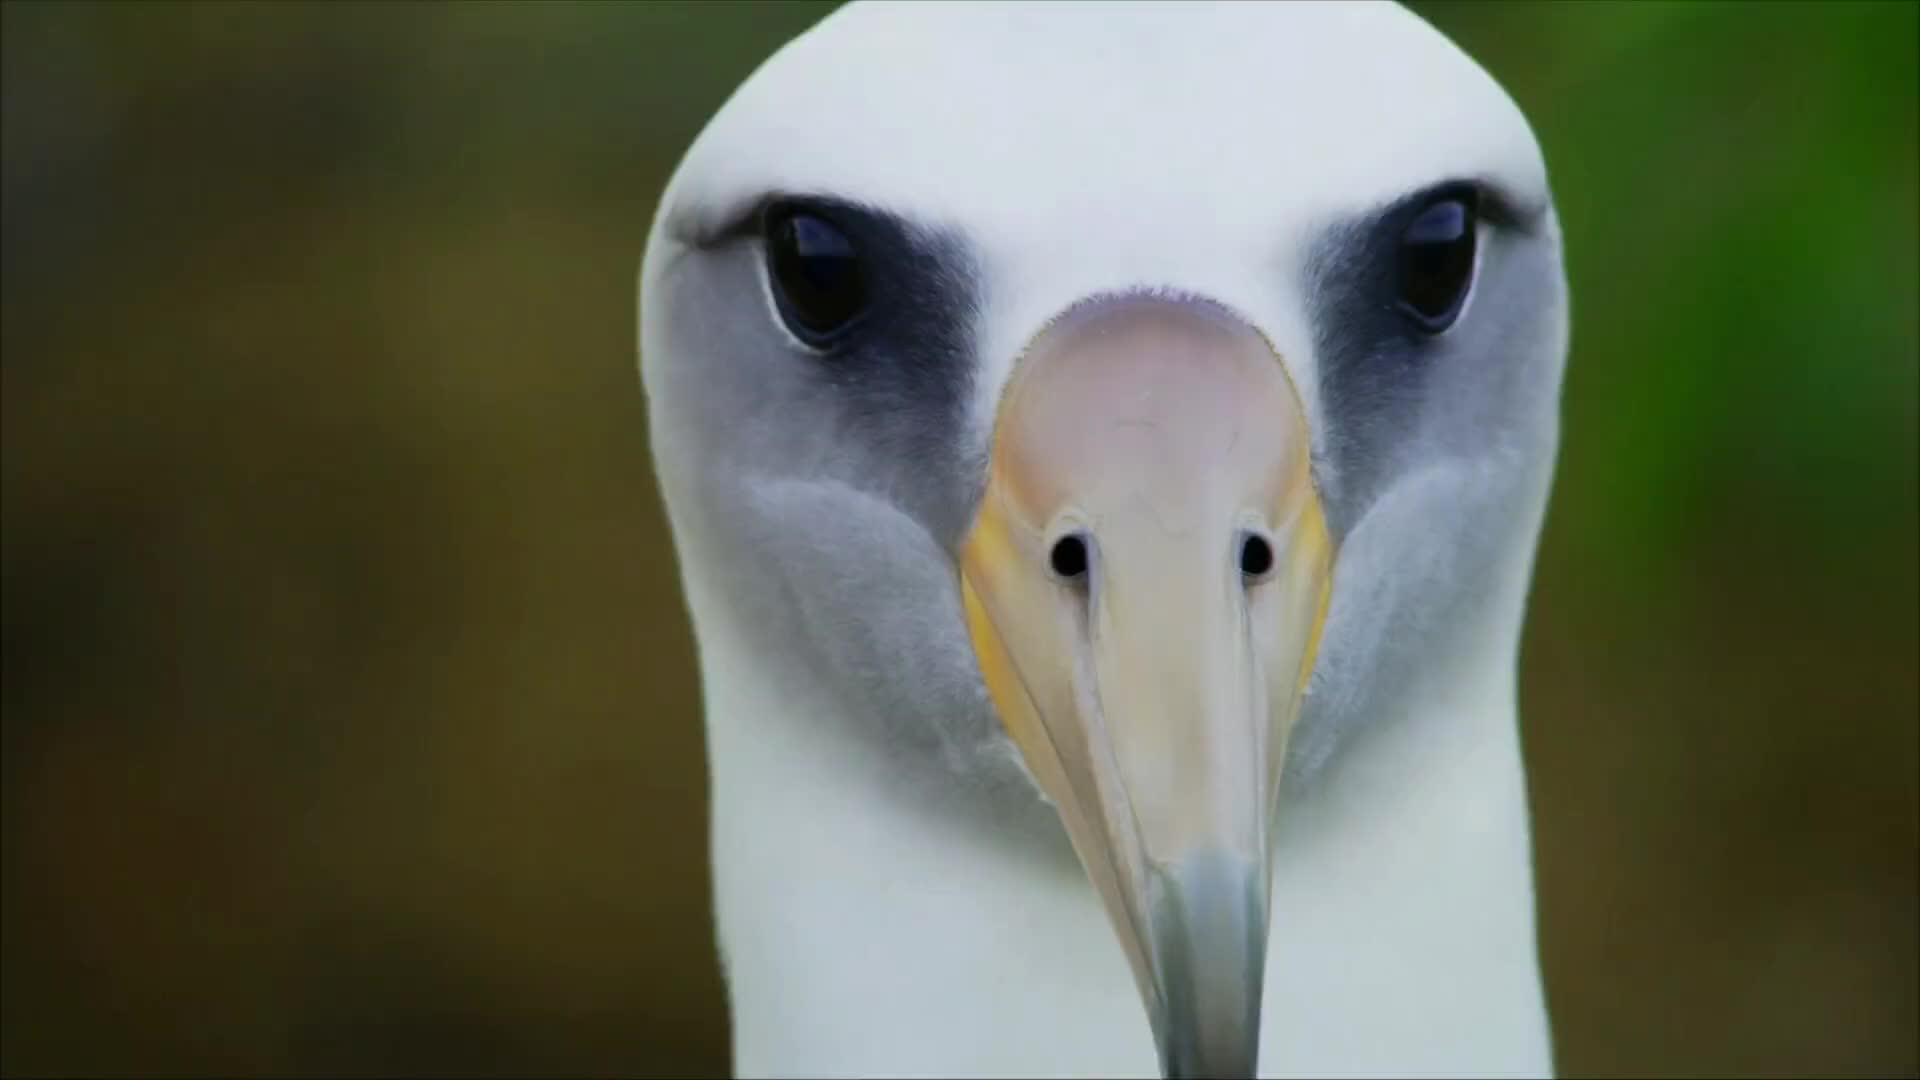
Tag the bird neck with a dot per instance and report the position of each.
(866, 929)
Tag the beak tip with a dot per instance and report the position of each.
(1190, 1061)
(1209, 940)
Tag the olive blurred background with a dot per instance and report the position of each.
(350, 719)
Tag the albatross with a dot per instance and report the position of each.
(1105, 448)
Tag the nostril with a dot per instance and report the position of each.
(1069, 557)
(1256, 557)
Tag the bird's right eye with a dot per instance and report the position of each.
(814, 267)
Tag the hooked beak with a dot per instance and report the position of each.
(1145, 585)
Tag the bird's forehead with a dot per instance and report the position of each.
(1216, 124)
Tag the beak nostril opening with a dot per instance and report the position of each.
(1256, 557)
(1069, 557)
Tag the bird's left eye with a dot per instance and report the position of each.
(1436, 262)
(818, 282)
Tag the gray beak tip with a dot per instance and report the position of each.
(1209, 933)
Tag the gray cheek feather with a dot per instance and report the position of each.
(828, 504)
(1415, 577)
(878, 603)
(1435, 456)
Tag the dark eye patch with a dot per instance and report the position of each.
(884, 308)
(860, 283)
(1384, 289)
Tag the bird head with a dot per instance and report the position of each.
(1125, 408)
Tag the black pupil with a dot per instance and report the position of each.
(1436, 262)
(1069, 557)
(1256, 557)
(816, 272)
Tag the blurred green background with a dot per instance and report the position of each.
(350, 712)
